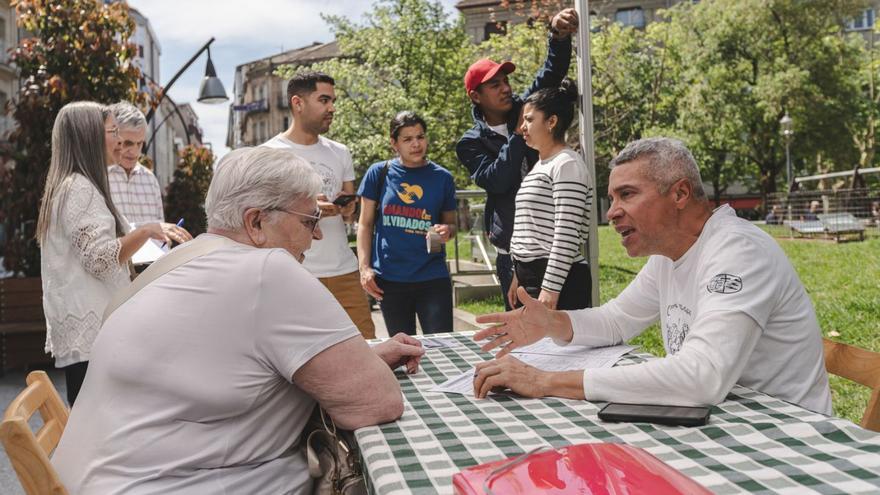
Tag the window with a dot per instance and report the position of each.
(634, 17)
(141, 51)
(863, 21)
(286, 124)
(491, 28)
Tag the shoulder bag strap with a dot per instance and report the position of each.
(382, 175)
(179, 256)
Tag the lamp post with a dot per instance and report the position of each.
(787, 133)
(211, 90)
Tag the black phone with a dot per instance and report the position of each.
(344, 199)
(650, 413)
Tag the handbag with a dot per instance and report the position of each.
(333, 458)
(584, 468)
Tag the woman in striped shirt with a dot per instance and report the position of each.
(552, 207)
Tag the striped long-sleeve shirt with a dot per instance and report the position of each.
(552, 215)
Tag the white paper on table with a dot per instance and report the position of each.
(149, 252)
(439, 343)
(548, 346)
(587, 358)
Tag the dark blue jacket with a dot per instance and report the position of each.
(498, 164)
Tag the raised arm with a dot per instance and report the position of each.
(558, 59)
(496, 172)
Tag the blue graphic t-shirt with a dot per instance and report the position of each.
(412, 201)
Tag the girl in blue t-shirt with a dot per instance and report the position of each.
(407, 204)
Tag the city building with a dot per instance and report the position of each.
(486, 17)
(260, 108)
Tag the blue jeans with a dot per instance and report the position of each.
(504, 271)
(431, 300)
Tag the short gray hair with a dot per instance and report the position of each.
(667, 161)
(128, 116)
(264, 178)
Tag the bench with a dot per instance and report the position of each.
(22, 324)
(837, 224)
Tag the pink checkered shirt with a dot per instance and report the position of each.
(137, 196)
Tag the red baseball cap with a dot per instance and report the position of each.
(482, 70)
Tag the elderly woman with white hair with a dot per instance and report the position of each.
(203, 380)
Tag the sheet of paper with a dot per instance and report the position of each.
(462, 384)
(547, 346)
(586, 358)
(149, 252)
(439, 343)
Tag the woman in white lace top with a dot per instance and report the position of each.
(85, 242)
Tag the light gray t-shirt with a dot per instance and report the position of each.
(330, 256)
(189, 387)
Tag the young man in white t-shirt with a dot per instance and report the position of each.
(730, 305)
(311, 96)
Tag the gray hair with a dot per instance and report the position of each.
(128, 116)
(78, 147)
(667, 161)
(264, 178)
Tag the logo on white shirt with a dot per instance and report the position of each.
(725, 283)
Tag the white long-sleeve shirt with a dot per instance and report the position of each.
(552, 215)
(731, 310)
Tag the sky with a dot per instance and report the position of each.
(245, 31)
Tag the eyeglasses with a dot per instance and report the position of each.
(114, 131)
(311, 223)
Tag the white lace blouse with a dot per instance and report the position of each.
(80, 269)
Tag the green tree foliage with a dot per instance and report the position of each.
(406, 55)
(186, 193)
(748, 62)
(74, 53)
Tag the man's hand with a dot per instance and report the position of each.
(328, 209)
(368, 282)
(549, 299)
(508, 372)
(347, 210)
(565, 23)
(401, 350)
(519, 327)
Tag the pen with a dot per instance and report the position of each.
(179, 224)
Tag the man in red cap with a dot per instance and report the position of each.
(494, 150)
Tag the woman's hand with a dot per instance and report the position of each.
(548, 298)
(511, 292)
(444, 231)
(165, 232)
(368, 282)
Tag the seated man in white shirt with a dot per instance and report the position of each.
(730, 305)
(203, 380)
(133, 188)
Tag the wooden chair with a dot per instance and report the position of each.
(28, 452)
(860, 366)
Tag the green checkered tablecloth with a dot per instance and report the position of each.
(752, 444)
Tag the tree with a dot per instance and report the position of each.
(186, 193)
(407, 55)
(747, 63)
(75, 53)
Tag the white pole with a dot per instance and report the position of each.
(586, 126)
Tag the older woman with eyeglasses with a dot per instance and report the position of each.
(85, 242)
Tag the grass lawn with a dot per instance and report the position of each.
(843, 280)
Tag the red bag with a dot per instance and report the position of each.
(594, 468)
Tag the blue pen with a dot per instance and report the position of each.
(179, 224)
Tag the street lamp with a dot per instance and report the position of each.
(211, 90)
(787, 133)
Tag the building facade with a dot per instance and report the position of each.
(260, 108)
(486, 17)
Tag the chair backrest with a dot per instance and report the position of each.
(29, 452)
(860, 366)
